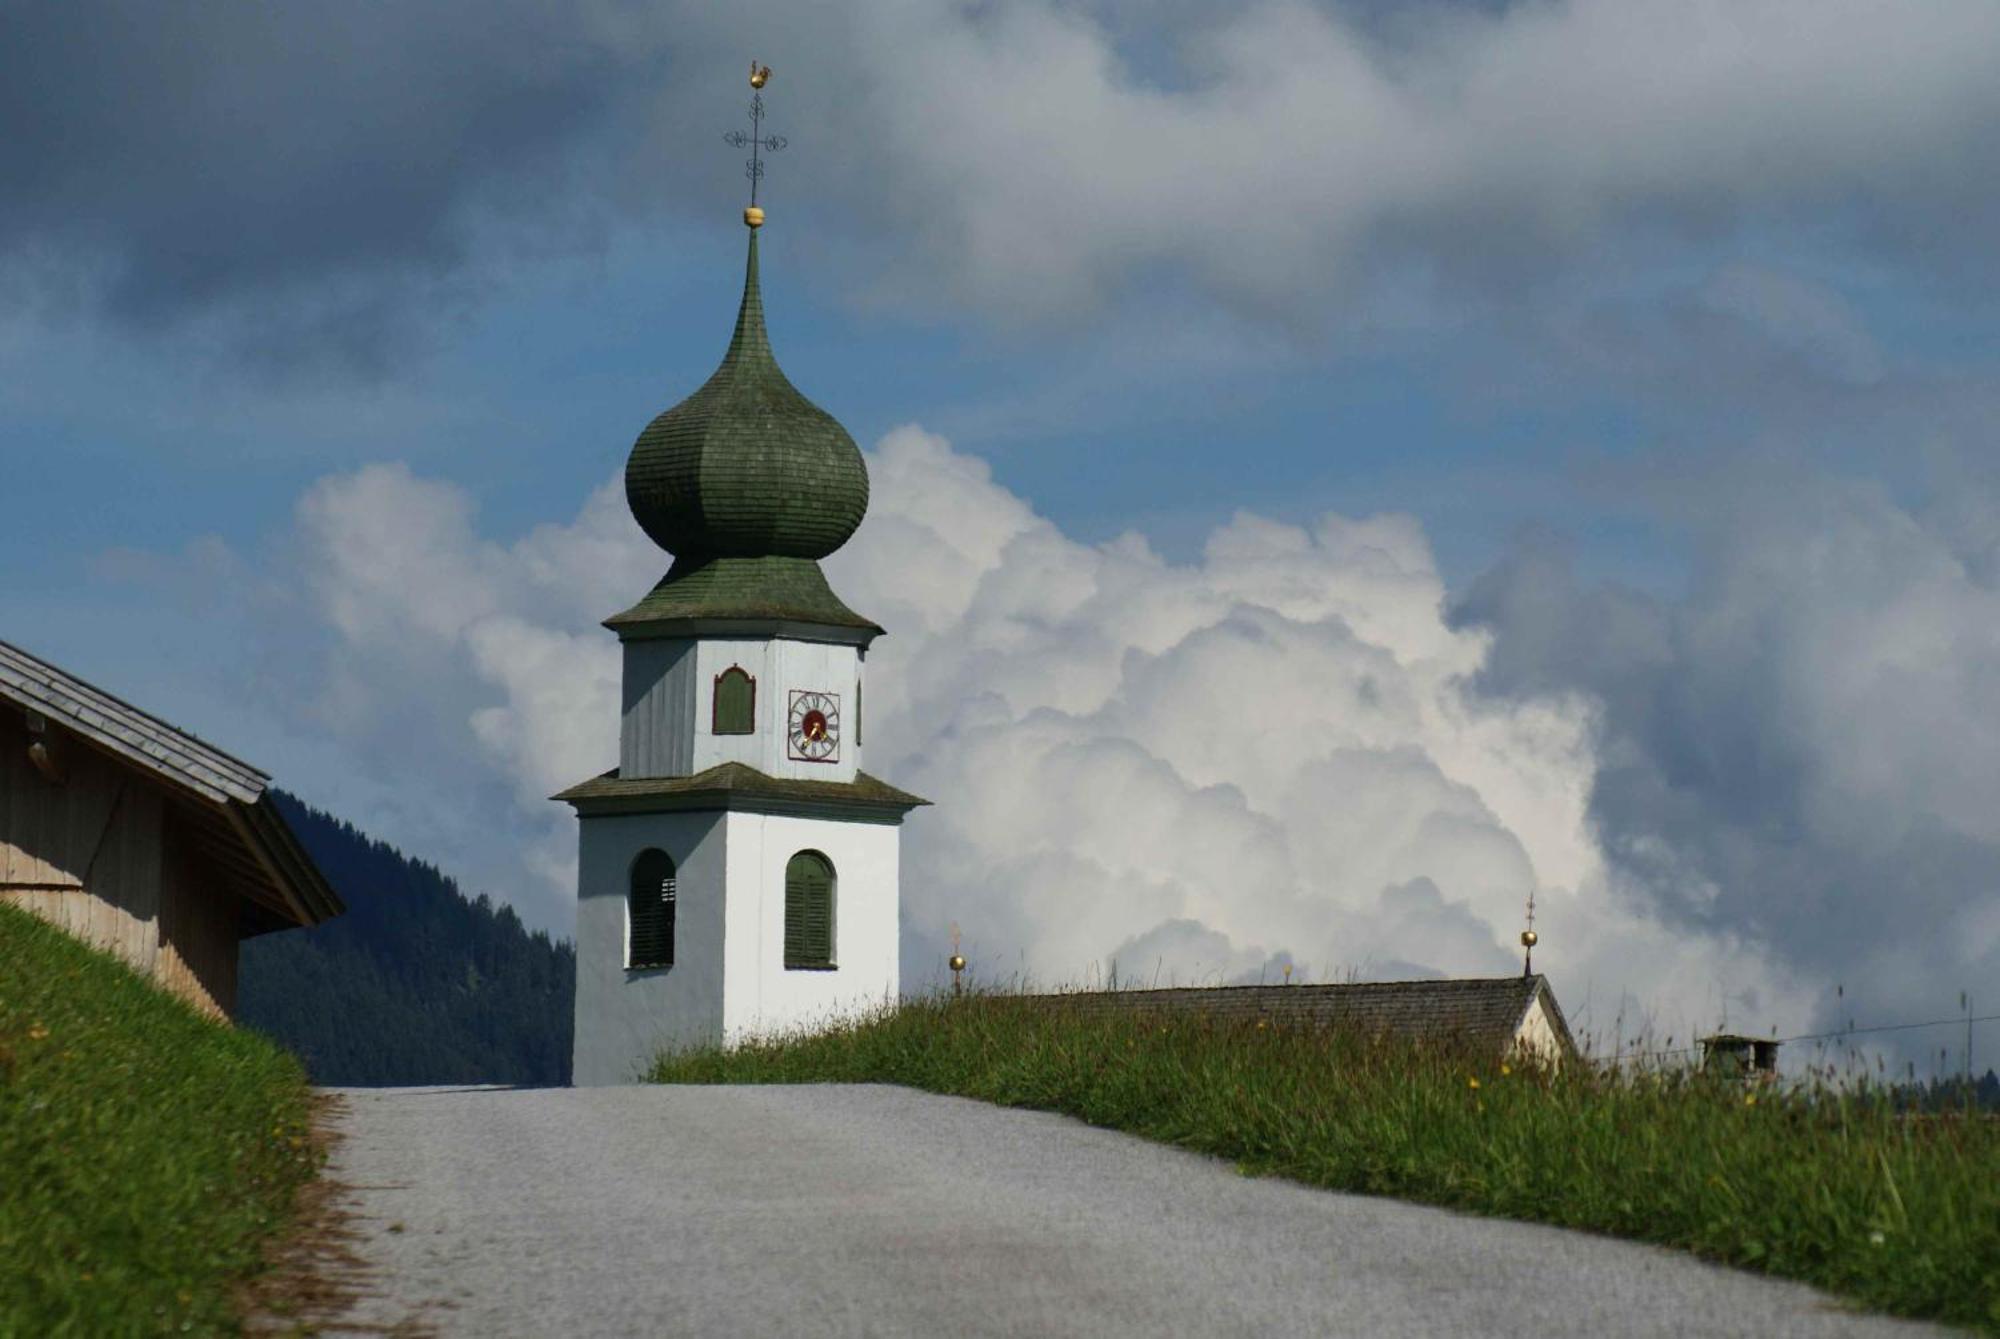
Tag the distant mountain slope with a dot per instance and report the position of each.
(416, 984)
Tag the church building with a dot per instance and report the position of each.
(737, 871)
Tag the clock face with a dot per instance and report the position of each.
(812, 729)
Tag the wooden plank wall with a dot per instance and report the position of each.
(85, 855)
(48, 833)
(198, 936)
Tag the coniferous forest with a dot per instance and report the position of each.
(416, 984)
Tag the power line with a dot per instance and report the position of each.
(1894, 1027)
(1823, 1036)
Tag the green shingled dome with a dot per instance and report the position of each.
(747, 466)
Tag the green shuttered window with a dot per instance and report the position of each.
(735, 702)
(809, 911)
(649, 910)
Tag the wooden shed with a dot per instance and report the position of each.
(140, 838)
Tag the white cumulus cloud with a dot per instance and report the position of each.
(1270, 756)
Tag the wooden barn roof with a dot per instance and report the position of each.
(234, 821)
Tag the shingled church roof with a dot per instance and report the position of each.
(1484, 1011)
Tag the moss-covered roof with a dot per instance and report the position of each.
(733, 785)
(747, 466)
(772, 589)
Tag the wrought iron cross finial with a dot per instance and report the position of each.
(756, 141)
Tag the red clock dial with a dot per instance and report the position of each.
(813, 726)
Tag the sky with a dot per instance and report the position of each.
(1339, 468)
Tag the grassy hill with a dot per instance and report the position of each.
(416, 984)
(145, 1151)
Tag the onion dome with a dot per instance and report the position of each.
(747, 467)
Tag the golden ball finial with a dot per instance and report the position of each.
(753, 216)
(1529, 939)
(957, 963)
(760, 75)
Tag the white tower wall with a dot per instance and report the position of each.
(761, 996)
(625, 1017)
(729, 981)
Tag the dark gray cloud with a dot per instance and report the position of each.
(321, 174)
(310, 168)
(1805, 750)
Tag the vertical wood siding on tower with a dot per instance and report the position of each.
(657, 737)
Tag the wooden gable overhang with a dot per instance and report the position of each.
(222, 805)
(1551, 1011)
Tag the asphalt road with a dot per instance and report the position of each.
(859, 1210)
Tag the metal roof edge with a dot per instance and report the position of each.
(98, 717)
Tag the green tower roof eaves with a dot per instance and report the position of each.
(769, 589)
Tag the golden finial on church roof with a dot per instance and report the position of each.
(1529, 938)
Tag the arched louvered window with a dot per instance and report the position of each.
(809, 911)
(649, 911)
(735, 703)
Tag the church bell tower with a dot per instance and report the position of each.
(737, 871)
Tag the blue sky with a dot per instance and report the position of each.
(1674, 335)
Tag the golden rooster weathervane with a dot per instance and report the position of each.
(756, 141)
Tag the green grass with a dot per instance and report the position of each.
(145, 1151)
(1820, 1182)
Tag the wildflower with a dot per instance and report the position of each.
(1262, 1024)
(1504, 1071)
(36, 1032)
(1876, 1238)
(1473, 1082)
(1749, 1099)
